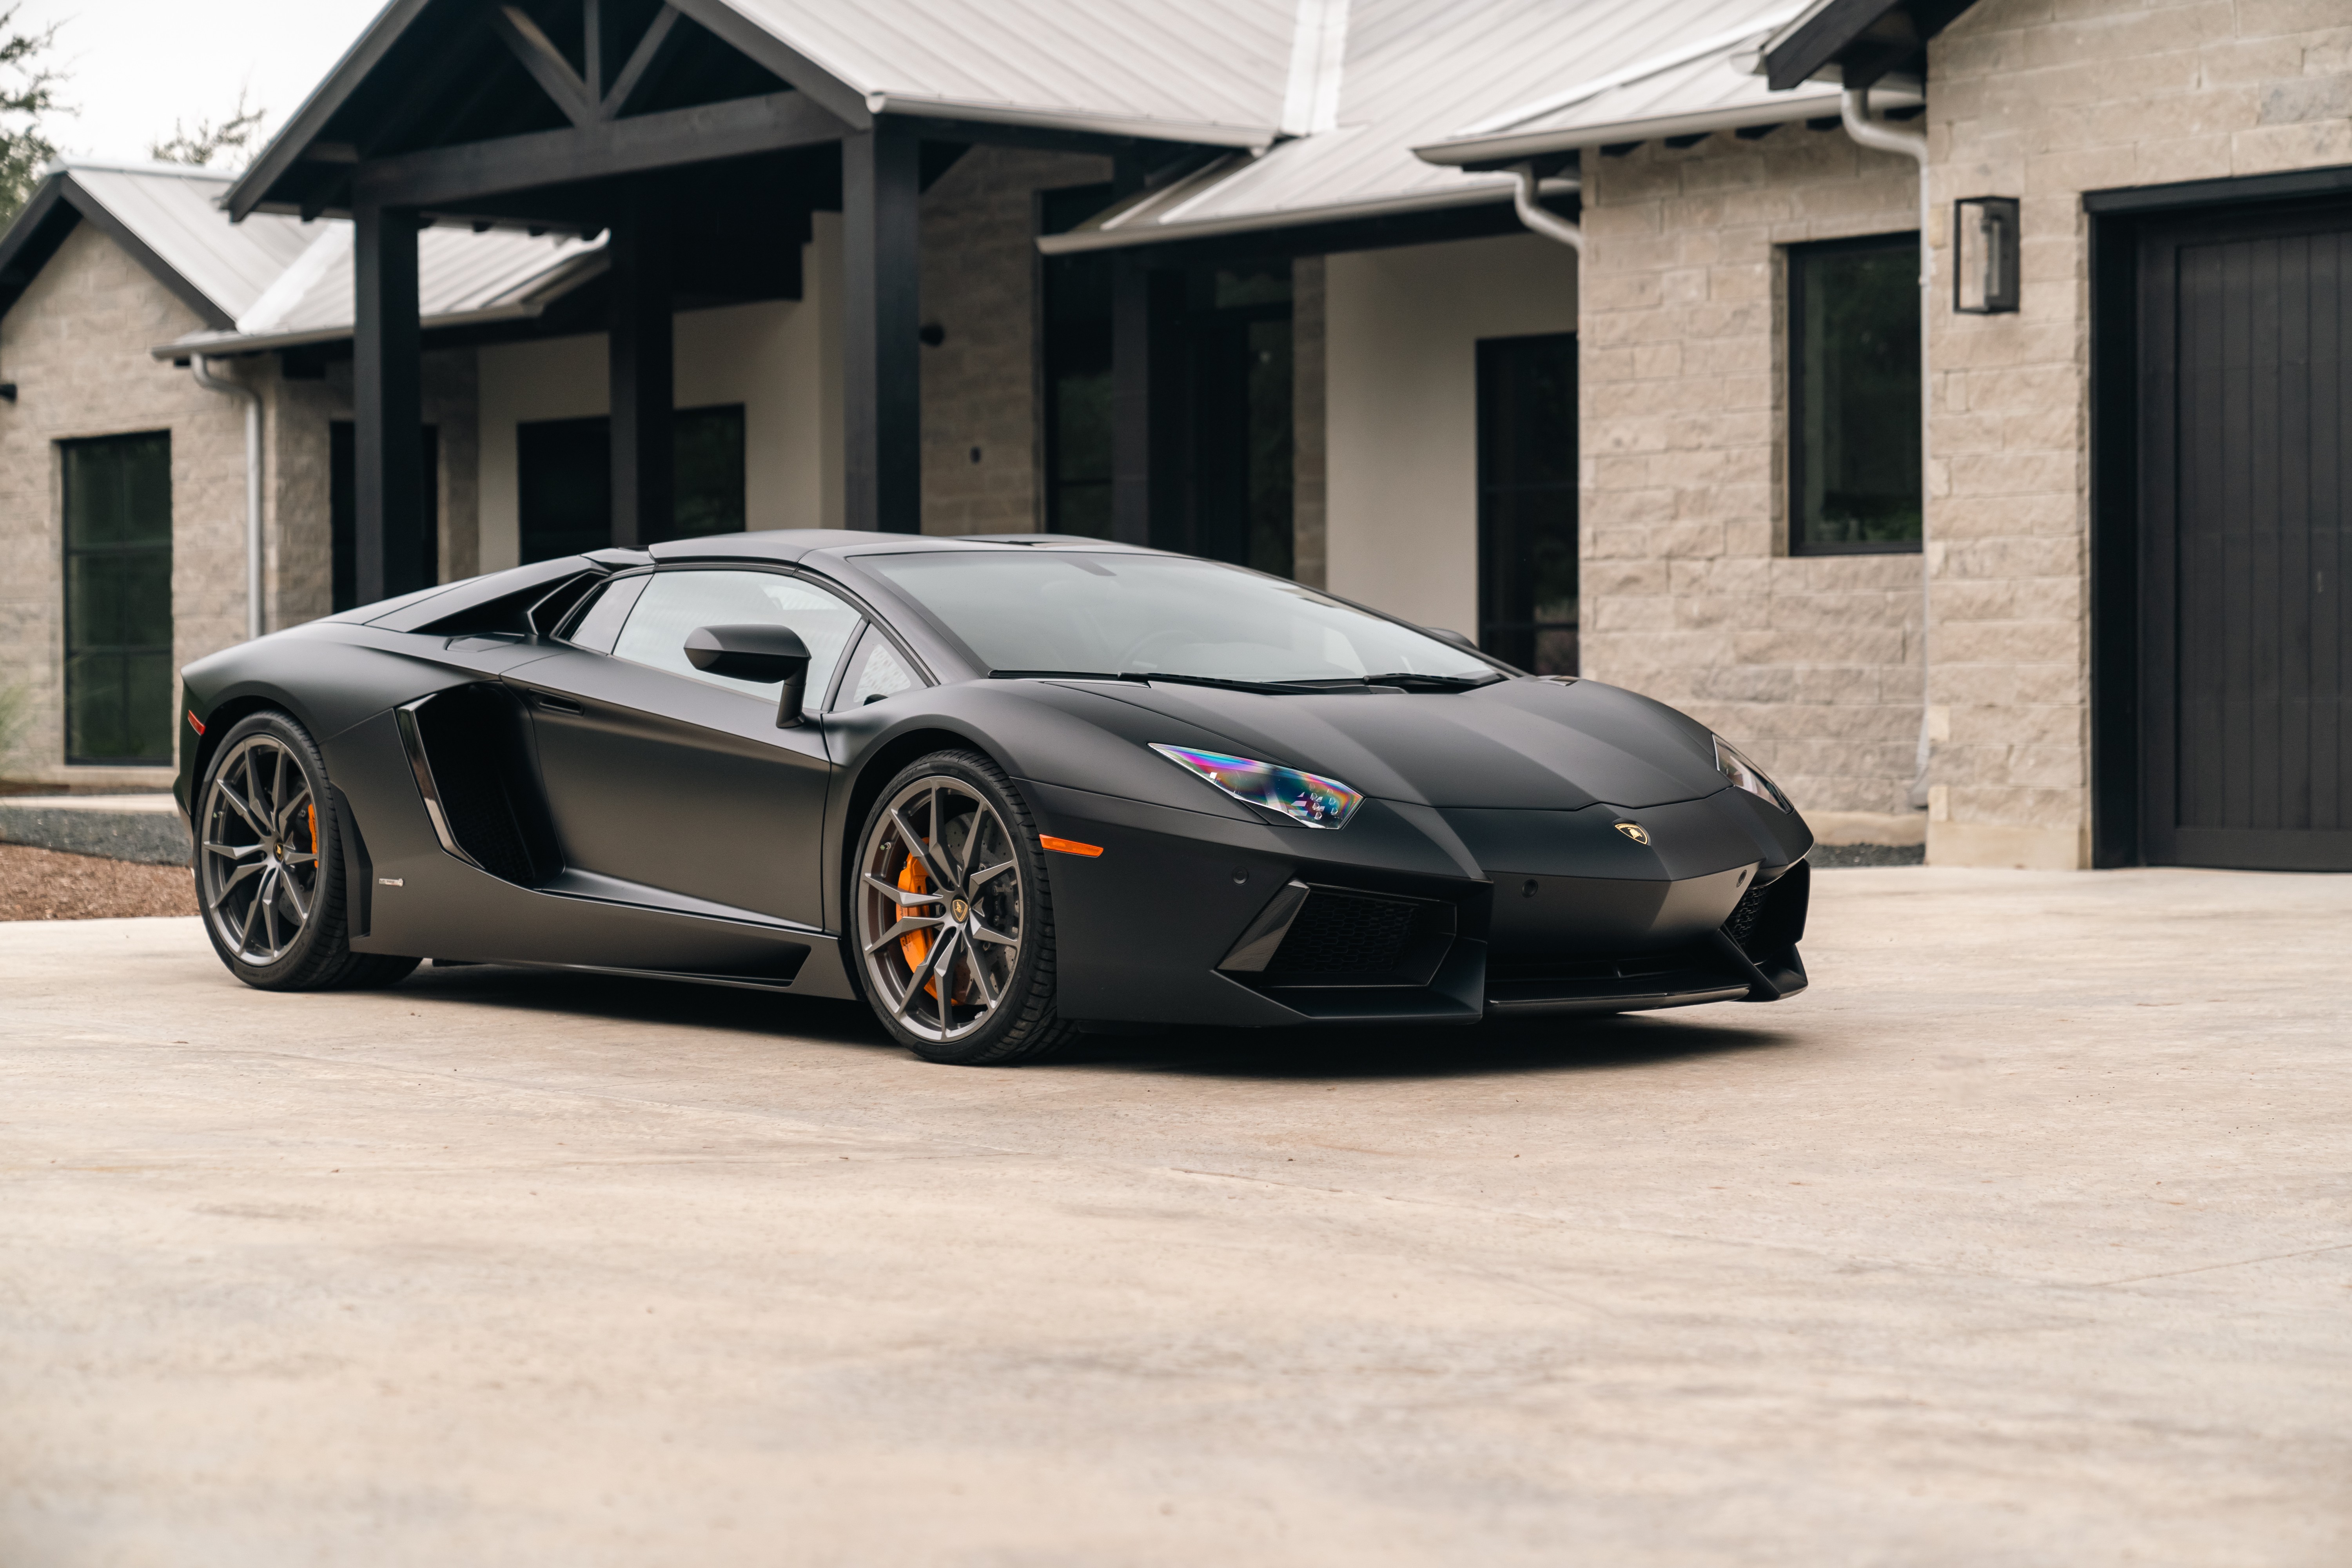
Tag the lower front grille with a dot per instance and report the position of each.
(1589, 966)
(1350, 933)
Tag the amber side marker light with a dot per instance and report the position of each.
(1068, 845)
(196, 723)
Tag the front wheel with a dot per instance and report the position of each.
(269, 867)
(954, 918)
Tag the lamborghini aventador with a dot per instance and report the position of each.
(1005, 790)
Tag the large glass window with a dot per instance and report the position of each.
(1853, 395)
(1075, 611)
(343, 512)
(1527, 502)
(118, 569)
(563, 470)
(1244, 472)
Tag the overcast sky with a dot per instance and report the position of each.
(135, 66)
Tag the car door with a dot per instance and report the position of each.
(665, 776)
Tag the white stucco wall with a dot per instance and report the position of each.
(1401, 410)
(780, 359)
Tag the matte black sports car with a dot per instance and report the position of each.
(1004, 789)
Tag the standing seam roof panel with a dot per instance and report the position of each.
(1222, 62)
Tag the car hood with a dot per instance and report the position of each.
(1523, 744)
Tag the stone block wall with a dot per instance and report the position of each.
(983, 440)
(2046, 99)
(75, 345)
(297, 473)
(1810, 663)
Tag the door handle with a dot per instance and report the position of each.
(557, 704)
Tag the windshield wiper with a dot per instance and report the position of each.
(1278, 688)
(1408, 680)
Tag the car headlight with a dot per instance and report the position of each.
(1747, 774)
(1308, 799)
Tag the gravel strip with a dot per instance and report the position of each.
(44, 885)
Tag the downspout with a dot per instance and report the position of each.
(1538, 218)
(1853, 109)
(211, 382)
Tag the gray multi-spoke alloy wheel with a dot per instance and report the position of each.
(952, 916)
(270, 876)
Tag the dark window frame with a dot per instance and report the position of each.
(592, 433)
(1795, 258)
(1497, 634)
(68, 552)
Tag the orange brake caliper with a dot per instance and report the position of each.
(914, 943)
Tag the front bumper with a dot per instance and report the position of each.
(1422, 916)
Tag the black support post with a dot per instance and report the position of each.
(881, 314)
(1131, 380)
(644, 374)
(388, 407)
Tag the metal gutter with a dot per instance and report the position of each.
(1639, 70)
(1507, 148)
(1082, 240)
(1539, 219)
(233, 343)
(1853, 109)
(252, 400)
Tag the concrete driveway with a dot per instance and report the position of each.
(2023, 1239)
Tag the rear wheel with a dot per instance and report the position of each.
(270, 866)
(953, 920)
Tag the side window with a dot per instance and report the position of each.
(597, 630)
(876, 671)
(674, 604)
(1853, 396)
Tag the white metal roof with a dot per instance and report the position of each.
(284, 282)
(175, 211)
(1412, 74)
(462, 278)
(1208, 70)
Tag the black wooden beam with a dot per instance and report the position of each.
(1131, 321)
(545, 62)
(881, 171)
(443, 177)
(644, 378)
(659, 40)
(388, 406)
(591, 51)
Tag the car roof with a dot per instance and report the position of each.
(796, 543)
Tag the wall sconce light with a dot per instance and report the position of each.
(1984, 273)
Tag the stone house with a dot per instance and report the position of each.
(1596, 330)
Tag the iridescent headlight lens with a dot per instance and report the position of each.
(1308, 799)
(1747, 774)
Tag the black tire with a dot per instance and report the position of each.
(946, 1023)
(253, 856)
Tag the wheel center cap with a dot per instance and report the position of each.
(959, 909)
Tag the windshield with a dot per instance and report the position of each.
(1072, 612)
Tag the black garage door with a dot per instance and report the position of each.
(2245, 487)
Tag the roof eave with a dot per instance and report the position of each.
(1079, 241)
(1201, 134)
(546, 292)
(1503, 149)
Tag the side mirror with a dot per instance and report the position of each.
(1457, 638)
(764, 653)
